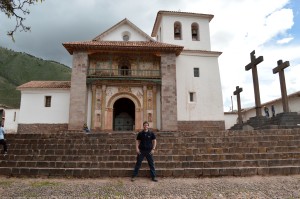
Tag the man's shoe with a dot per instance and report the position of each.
(154, 180)
(5, 153)
(133, 179)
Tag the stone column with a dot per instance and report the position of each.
(144, 103)
(78, 93)
(93, 106)
(154, 108)
(168, 92)
(103, 106)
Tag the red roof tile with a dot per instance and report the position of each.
(45, 84)
(122, 45)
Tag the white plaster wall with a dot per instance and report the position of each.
(294, 104)
(33, 109)
(209, 103)
(11, 120)
(167, 32)
(117, 34)
(230, 119)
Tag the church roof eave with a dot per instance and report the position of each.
(122, 46)
(45, 85)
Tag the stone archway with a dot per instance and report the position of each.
(109, 124)
(123, 115)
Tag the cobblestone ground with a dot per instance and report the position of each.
(224, 187)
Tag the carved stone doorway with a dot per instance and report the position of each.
(123, 115)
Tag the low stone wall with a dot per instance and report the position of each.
(41, 128)
(201, 125)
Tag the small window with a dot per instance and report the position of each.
(196, 72)
(195, 32)
(125, 37)
(192, 97)
(47, 101)
(177, 31)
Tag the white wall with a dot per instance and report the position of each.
(208, 104)
(117, 35)
(167, 31)
(230, 119)
(33, 108)
(11, 120)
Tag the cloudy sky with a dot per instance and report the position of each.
(271, 28)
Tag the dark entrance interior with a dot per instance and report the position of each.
(124, 115)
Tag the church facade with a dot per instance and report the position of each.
(123, 77)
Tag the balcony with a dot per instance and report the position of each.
(123, 73)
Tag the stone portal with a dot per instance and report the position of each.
(123, 115)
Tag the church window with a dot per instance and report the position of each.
(47, 101)
(192, 96)
(196, 72)
(195, 32)
(126, 36)
(124, 67)
(177, 31)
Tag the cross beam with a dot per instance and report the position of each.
(280, 69)
(253, 65)
(237, 93)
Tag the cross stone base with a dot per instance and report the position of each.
(253, 123)
(288, 120)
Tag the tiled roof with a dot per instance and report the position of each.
(45, 84)
(123, 45)
(163, 12)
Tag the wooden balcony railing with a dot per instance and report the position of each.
(123, 73)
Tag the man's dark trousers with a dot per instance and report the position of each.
(139, 160)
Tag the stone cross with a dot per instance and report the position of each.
(280, 69)
(237, 93)
(252, 65)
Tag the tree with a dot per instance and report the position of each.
(17, 9)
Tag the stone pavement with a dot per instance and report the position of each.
(221, 187)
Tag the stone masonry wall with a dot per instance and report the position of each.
(78, 93)
(201, 125)
(168, 92)
(41, 128)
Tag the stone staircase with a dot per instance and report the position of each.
(179, 154)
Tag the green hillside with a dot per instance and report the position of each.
(18, 68)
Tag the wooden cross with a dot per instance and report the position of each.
(237, 93)
(280, 69)
(252, 65)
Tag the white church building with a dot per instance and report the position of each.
(123, 77)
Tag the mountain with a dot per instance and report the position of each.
(17, 68)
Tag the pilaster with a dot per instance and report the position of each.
(78, 93)
(168, 92)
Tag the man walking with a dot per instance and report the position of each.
(145, 145)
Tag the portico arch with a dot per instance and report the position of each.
(110, 106)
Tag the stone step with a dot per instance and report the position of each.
(144, 172)
(158, 164)
(175, 151)
(52, 145)
(200, 157)
(97, 135)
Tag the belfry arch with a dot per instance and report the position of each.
(134, 106)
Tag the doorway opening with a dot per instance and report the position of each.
(124, 115)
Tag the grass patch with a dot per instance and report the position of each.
(45, 184)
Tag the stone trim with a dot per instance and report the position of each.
(42, 128)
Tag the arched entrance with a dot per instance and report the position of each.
(123, 115)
